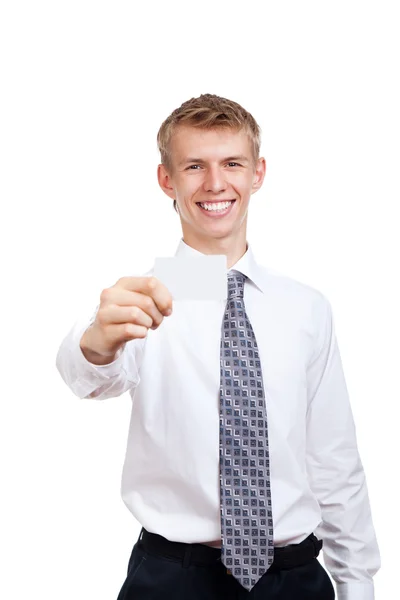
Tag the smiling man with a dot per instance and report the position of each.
(211, 175)
(242, 460)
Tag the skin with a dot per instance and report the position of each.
(213, 177)
(135, 304)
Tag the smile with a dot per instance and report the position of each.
(213, 211)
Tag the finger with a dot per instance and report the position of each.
(149, 286)
(126, 332)
(121, 297)
(113, 314)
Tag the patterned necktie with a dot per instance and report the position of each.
(245, 493)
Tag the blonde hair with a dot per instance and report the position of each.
(208, 111)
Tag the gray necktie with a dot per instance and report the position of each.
(245, 494)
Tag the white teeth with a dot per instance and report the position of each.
(220, 206)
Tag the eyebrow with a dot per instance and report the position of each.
(240, 158)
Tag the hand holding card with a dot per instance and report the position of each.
(127, 310)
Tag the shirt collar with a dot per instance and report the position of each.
(247, 264)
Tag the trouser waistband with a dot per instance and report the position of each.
(285, 557)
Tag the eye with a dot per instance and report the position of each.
(193, 167)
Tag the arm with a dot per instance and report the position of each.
(88, 380)
(335, 471)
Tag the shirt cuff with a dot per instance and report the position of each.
(358, 590)
(108, 370)
(88, 377)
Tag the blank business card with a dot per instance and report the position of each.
(200, 278)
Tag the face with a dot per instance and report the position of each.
(211, 166)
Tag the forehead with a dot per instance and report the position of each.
(208, 143)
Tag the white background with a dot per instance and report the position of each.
(85, 88)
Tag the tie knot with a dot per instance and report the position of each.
(235, 284)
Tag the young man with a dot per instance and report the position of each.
(242, 457)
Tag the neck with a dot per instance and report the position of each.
(232, 252)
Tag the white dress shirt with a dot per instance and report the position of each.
(170, 479)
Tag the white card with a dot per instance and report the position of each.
(199, 278)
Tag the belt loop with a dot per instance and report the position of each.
(316, 543)
(186, 558)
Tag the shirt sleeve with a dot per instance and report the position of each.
(335, 471)
(99, 382)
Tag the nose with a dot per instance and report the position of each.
(214, 180)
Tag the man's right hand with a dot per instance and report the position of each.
(127, 311)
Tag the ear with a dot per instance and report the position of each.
(259, 174)
(165, 181)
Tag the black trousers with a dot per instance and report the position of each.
(155, 577)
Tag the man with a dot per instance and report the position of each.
(242, 457)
